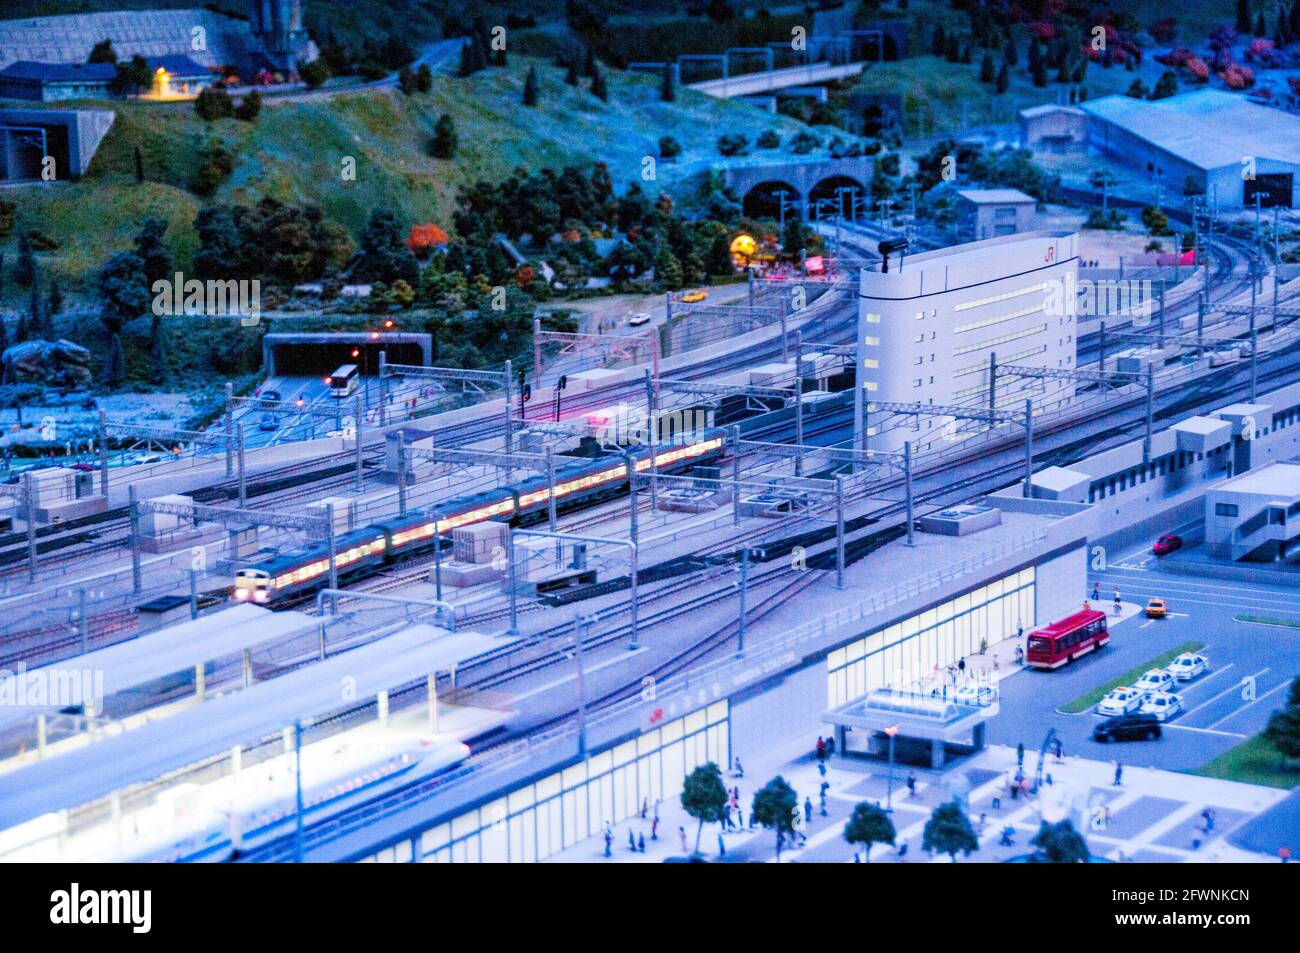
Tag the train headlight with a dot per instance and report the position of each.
(241, 594)
(260, 596)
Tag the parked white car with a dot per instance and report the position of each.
(1164, 705)
(1120, 701)
(1188, 665)
(979, 695)
(1155, 680)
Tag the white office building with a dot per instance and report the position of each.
(928, 325)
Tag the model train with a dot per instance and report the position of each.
(362, 552)
(239, 812)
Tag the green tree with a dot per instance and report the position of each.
(773, 807)
(669, 147)
(445, 139)
(315, 73)
(1060, 844)
(704, 797)
(1138, 90)
(949, 832)
(667, 89)
(1166, 85)
(383, 255)
(718, 261)
(132, 76)
(530, 87)
(214, 103)
(1243, 16)
(38, 320)
(215, 168)
(598, 87)
(424, 78)
(218, 253)
(407, 81)
(1155, 221)
(1283, 730)
(249, 107)
(102, 52)
(938, 43)
(571, 73)
(988, 72)
(869, 824)
(668, 270)
(1004, 79)
(56, 299)
(794, 239)
(123, 297)
(152, 251)
(1038, 70)
(8, 217)
(25, 267)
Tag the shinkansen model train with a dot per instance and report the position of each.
(243, 811)
(365, 551)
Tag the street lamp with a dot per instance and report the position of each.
(745, 555)
(891, 731)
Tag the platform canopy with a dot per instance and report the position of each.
(136, 662)
(245, 717)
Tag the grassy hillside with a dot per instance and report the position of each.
(295, 152)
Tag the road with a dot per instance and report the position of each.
(1218, 713)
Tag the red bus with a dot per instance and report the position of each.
(1064, 641)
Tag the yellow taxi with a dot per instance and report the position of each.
(699, 294)
(1157, 609)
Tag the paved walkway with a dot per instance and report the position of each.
(1153, 816)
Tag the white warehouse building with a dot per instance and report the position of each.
(927, 328)
(1226, 145)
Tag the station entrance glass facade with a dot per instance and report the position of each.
(900, 655)
(540, 819)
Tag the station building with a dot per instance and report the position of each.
(991, 213)
(1221, 142)
(1255, 515)
(928, 327)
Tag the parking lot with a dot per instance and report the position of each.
(1252, 665)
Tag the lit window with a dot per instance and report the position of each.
(870, 362)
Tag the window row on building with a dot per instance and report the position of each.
(993, 342)
(537, 820)
(900, 655)
(1005, 296)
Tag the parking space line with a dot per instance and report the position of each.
(1280, 685)
(1207, 731)
(1229, 689)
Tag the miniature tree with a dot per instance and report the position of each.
(868, 825)
(704, 797)
(1060, 844)
(530, 87)
(949, 832)
(773, 807)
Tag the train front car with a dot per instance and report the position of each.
(300, 571)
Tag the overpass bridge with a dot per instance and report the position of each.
(755, 84)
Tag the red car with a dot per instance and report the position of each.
(1166, 545)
